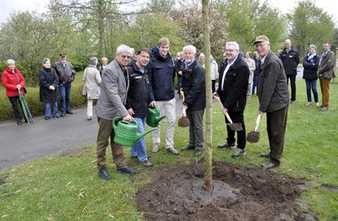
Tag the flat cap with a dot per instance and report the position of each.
(261, 38)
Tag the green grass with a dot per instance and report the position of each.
(33, 99)
(66, 187)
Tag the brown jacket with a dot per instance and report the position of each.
(272, 88)
(327, 65)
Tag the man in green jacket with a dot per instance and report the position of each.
(273, 98)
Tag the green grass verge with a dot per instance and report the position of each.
(33, 99)
(66, 187)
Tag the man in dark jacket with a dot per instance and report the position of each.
(273, 98)
(290, 59)
(161, 76)
(232, 90)
(193, 87)
(139, 98)
(66, 75)
(310, 64)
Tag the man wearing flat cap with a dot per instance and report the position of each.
(273, 99)
(111, 103)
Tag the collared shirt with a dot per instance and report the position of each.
(262, 60)
(226, 70)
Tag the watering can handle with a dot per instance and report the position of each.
(258, 120)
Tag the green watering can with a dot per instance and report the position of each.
(126, 133)
(154, 117)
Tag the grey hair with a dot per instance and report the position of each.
(232, 43)
(93, 61)
(45, 60)
(312, 46)
(123, 49)
(10, 62)
(190, 47)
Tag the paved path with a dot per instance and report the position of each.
(27, 142)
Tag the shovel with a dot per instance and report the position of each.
(184, 120)
(253, 136)
(233, 126)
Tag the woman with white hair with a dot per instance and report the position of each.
(49, 82)
(13, 81)
(91, 88)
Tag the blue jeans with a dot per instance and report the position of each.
(311, 85)
(49, 110)
(64, 90)
(139, 149)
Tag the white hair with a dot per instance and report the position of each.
(233, 44)
(10, 62)
(123, 49)
(190, 47)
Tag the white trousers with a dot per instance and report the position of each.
(90, 103)
(168, 109)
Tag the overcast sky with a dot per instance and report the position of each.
(9, 6)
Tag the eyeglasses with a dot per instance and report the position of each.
(126, 56)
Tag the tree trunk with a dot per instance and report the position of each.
(100, 25)
(208, 113)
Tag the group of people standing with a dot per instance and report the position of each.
(315, 67)
(55, 85)
(127, 86)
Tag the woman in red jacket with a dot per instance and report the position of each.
(13, 81)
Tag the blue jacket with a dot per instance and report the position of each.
(161, 72)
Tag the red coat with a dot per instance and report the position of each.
(10, 79)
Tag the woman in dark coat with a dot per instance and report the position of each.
(310, 64)
(48, 89)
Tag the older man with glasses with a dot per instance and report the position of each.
(111, 104)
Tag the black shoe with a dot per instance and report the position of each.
(198, 152)
(69, 112)
(270, 165)
(19, 122)
(103, 173)
(47, 118)
(126, 170)
(189, 147)
(62, 114)
(265, 155)
(225, 145)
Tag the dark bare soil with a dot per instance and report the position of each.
(239, 194)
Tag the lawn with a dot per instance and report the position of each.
(66, 187)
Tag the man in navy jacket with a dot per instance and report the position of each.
(161, 76)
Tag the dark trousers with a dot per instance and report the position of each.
(15, 106)
(276, 126)
(105, 132)
(213, 86)
(292, 79)
(311, 85)
(254, 85)
(196, 128)
(64, 90)
(236, 117)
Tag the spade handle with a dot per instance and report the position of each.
(258, 120)
(225, 112)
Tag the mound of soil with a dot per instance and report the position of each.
(239, 194)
